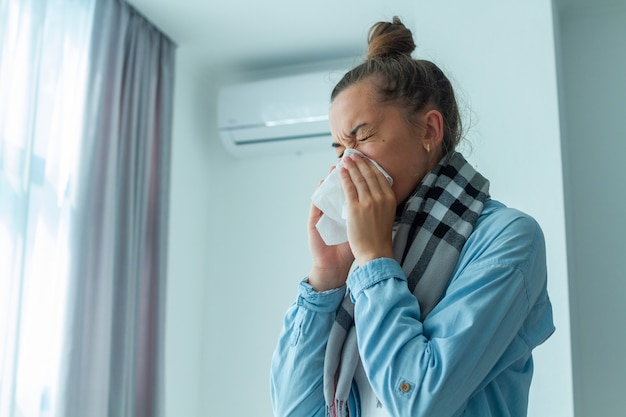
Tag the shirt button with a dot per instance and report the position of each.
(405, 387)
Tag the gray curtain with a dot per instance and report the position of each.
(113, 358)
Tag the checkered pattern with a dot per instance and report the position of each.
(428, 236)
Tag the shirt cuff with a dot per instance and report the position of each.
(372, 273)
(322, 301)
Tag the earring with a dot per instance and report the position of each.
(428, 147)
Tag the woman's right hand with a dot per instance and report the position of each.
(331, 264)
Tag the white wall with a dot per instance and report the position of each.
(237, 251)
(593, 68)
(189, 241)
(238, 239)
(260, 252)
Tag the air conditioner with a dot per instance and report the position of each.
(278, 115)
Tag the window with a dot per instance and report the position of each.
(43, 69)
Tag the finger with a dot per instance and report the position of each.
(314, 213)
(382, 180)
(348, 186)
(376, 178)
(354, 184)
(364, 175)
(319, 184)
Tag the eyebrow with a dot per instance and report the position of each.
(353, 133)
(356, 129)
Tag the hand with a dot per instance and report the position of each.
(371, 205)
(331, 264)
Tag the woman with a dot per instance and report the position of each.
(447, 296)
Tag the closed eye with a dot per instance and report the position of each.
(338, 147)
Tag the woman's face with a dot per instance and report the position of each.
(381, 133)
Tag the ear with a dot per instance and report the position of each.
(434, 129)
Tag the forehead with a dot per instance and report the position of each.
(351, 105)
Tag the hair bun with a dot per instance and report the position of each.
(389, 39)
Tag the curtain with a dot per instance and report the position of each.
(85, 128)
(43, 68)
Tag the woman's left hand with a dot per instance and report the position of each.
(371, 205)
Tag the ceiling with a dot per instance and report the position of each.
(235, 36)
(251, 35)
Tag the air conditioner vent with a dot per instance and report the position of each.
(278, 115)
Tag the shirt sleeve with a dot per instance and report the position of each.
(296, 376)
(432, 367)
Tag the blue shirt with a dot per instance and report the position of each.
(471, 356)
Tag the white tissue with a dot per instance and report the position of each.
(329, 198)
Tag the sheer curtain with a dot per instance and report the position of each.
(85, 120)
(43, 68)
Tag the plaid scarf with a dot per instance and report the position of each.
(428, 237)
